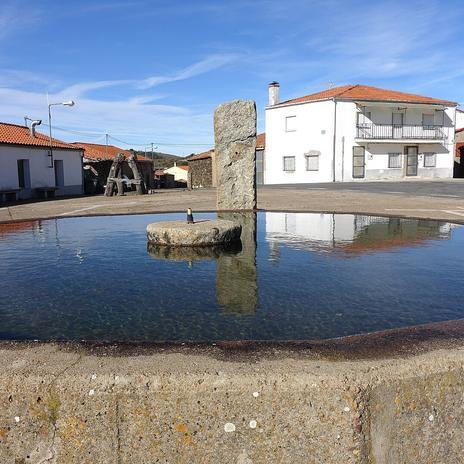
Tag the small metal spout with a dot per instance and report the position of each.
(189, 216)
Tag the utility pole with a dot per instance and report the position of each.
(106, 147)
(152, 152)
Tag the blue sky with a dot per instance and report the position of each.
(154, 70)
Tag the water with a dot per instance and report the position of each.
(294, 276)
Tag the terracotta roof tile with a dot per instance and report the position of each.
(20, 135)
(185, 168)
(99, 152)
(261, 141)
(367, 93)
(204, 155)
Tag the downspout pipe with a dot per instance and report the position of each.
(334, 140)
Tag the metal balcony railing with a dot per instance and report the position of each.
(399, 132)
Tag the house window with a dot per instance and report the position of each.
(289, 163)
(427, 120)
(290, 124)
(312, 162)
(394, 160)
(440, 117)
(430, 160)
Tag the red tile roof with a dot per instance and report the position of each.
(185, 168)
(261, 141)
(15, 134)
(204, 155)
(367, 93)
(99, 152)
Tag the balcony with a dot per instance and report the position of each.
(371, 131)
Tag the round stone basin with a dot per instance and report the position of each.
(199, 234)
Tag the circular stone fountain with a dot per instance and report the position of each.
(199, 234)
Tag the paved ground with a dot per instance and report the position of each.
(432, 199)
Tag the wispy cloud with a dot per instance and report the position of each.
(13, 19)
(206, 65)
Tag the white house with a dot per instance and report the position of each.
(459, 119)
(357, 132)
(28, 169)
(180, 173)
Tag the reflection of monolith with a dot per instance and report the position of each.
(235, 147)
(236, 281)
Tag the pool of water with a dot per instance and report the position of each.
(293, 276)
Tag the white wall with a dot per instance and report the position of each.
(459, 119)
(178, 173)
(313, 132)
(313, 118)
(40, 174)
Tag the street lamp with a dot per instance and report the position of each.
(66, 103)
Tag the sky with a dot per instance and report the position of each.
(152, 71)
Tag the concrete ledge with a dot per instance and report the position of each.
(100, 403)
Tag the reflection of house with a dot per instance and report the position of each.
(357, 132)
(97, 163)
(180, 173)
(27, 170)
(348, 233)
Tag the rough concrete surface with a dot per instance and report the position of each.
(235, 147)
(68, 404)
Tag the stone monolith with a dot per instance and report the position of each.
(235, 146)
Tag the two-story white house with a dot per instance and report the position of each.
(357, 132)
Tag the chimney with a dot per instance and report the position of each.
(274, 88)
(33, 124)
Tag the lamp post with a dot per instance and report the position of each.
(66, 103)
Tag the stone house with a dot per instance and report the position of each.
(29, 169)
(356, 133)
(201, 171)
(202, 167)
(98, 159)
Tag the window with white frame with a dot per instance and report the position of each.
(290, 124)
(289, 163)
(428, 120)
(394, 160)
(430, 160)
(312, 161)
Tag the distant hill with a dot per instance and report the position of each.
(162, 160)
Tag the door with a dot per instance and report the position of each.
(59, 173)
(24, 174)
(412, 155)
(359, 162)
(397, 125)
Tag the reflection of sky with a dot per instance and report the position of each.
(93, 278)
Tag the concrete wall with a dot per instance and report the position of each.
(459, 119)
(270, 404)
(313, 131)
(41, 175)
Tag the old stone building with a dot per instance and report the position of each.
(201, 170)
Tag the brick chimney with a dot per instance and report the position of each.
(274, 88)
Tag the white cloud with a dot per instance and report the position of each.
(208, 64)
(13, 18)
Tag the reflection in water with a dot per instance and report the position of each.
(236, 280)
(348, 234)
(236, 276)
(191, 254)
(58, 279)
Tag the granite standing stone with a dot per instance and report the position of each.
(235, 147)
